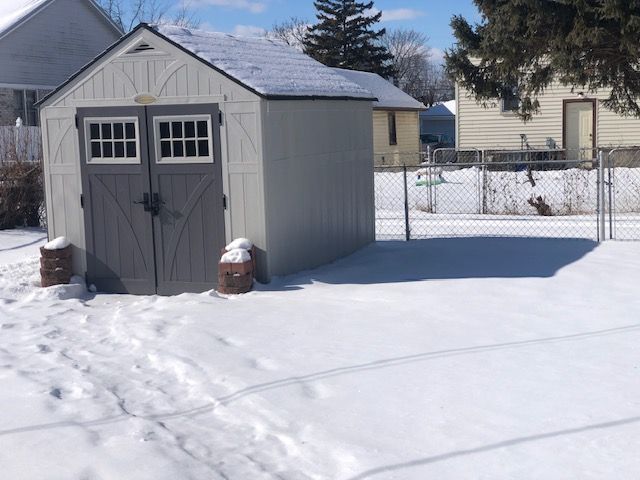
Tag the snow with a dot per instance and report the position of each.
(57, 244)
(369, 368)
(243, 243)
(388, 95)
(268, 66)
(236, 255)
(12, 11)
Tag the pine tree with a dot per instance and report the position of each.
(344, 37)
(523, 46)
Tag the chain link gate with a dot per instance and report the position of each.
(623, 193)
(516, 193)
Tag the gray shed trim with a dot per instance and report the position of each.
(40, 8)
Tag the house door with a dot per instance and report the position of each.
(579, 129)
(153, 204)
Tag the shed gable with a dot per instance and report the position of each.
(146, 64)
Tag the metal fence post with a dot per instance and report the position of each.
(407, 228)
(601, 193)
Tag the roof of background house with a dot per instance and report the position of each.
(14, 12)
(389, 96)
(269, 67)
(442, 109)
(11, 12)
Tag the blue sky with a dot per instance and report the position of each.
(249, 16)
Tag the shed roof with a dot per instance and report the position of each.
(388, 95)
(269, 67)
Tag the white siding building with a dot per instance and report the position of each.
(567, 119)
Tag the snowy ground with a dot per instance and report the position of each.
(444, 359)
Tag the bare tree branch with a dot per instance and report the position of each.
(129, 14)
(292, 32)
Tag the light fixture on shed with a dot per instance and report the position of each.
(145, 99)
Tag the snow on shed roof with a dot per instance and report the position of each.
(12, 11)
(389, 96)
(442, 109)
(269, 67)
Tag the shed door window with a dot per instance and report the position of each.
(185, 139)
(393, 136)
(112, 141)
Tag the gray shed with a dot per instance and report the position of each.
(174, 141)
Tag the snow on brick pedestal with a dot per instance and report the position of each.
(237, 267)
(55, 262)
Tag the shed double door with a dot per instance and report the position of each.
(152, 198)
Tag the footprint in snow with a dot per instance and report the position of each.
(44, 348)
(316, 391)
(55, 333)
(7, 326)
(265, 364)
(56, 392)
(229, 342)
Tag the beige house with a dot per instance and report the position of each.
(567, 119)
(396, 119)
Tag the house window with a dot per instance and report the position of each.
(184, 139)
(510, 101)
(393, 135)
(25, 101)
(112, 140)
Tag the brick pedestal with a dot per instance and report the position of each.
(55, 266)
(236, 278)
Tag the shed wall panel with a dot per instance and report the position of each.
(63, 181)
(318, 181)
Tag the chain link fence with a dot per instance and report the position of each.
(623, 193)
(592, 194)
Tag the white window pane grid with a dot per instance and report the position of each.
(112, 141)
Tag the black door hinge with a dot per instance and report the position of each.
(77, 123)
(81, 200)
(220, 117)
(224, 201)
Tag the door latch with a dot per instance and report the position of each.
(145, 202)
(151, 203)
(156, 203)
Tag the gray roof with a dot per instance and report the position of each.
(389, 96)
(14, 12)
(269, 67)
(442, 109)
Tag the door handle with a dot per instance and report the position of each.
(145, 202)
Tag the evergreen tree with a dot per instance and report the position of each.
(344, 37)
(523, 46)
